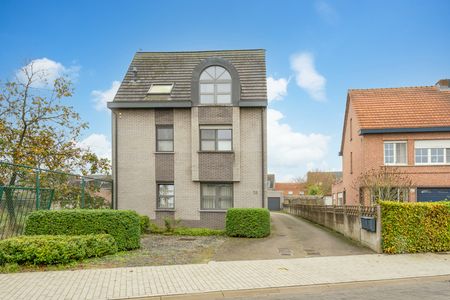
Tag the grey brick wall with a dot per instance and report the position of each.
(139, 167)
(136, 187)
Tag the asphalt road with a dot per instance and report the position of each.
(291, 237)
(425, 288)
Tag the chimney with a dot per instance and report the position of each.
(443, 85)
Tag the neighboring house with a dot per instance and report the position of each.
(291, 188)
(407, 128)
(274, 198)
(189, 135)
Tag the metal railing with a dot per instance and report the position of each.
(24, 189)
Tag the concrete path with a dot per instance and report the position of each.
(291, 237)
(219, 278)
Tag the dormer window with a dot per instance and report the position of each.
(160, 89)
(215, 86)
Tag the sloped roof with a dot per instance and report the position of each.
(408, 107)
(404, 109)
(294, 187)
(177, 67)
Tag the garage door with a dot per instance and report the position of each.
(433, 194)
(274, 203)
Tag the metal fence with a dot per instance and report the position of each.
(24, 189)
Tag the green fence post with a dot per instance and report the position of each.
(38, 188)
(82, 191)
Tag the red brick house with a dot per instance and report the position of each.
(407, 128)
(291, 188)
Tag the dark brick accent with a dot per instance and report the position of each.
(213, 220)
(216, 166)
(215, 115)
(163, 116)
(164, 167)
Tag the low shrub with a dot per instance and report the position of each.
(145, 223)
(55, 249)
(415, 227)
(123, 225)
(197, 231)
(248, 222)
(171, 223)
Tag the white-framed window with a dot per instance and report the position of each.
(164, 138)
(395, 153)
(432, 152)
(216, 196)
(216, 139)
(215, 86)
(166, 196)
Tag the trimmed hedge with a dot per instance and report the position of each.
(55, 249)
(197, 231)
(123, 225)
(248, 222)
(415, 227)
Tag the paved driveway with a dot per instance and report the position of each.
(291, 237)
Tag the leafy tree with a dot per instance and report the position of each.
(315, 190)
(40, 129)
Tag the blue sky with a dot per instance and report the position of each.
(318, 48)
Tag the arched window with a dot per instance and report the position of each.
(215, 86)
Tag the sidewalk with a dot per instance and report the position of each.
(218, 276)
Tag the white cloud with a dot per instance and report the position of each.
(46, 71)
(97, 143)
(102, 97)
(326, 11)
(307, 76)
(292, 152)
(276, 88)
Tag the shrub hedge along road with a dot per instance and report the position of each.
(55, 249)
(123, 225)
(415, 227)
(248, 222)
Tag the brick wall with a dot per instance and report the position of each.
(368, 153)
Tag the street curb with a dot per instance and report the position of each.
(297, 289)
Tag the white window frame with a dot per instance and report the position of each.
(216, 138)
(157, 85)
(395, 150)
(432, 144)
(215, 81)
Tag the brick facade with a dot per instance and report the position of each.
(361, 153)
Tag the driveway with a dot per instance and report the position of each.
(291, 237)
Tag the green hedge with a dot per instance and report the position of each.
(197, 231)
(123, 225)
(248, 222)
(415, 227)
(145, 224)
(55, 249)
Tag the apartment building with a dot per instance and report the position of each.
(189, 135)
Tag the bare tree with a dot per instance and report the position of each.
(385, 183)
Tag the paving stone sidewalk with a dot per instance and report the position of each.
(133, 282)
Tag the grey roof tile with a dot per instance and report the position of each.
(177, 67)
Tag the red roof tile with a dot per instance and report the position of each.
(408, 107)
